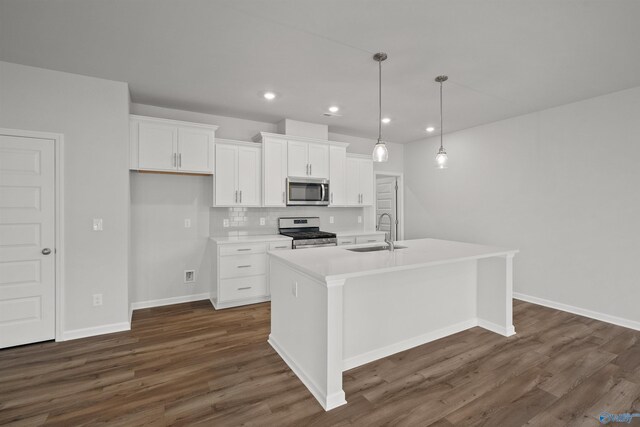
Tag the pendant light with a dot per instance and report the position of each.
(380, 153)
(441, 157)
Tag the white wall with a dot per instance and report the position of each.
(562, 185)
(92, 114)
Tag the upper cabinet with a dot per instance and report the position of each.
(337, 175)
(359, 176)
(308, 159)
(238, 174)
(171, 146)
(274, 171)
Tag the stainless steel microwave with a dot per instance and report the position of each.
(307, 191)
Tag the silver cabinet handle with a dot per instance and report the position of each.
(307, 168)
(244, 266)
(235, 197)
(244, 288)
(310, 168)
(244, 249)
(173, 160)
(332, 197)
(180, 160)
(371, 241)
(46, 251)
(283, 197)
(280, 247)
(240, 196)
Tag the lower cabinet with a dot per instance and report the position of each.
(241, 272)
(360, 238)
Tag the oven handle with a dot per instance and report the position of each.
(315, 246)
(322, 191)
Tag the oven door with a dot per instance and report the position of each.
(307, 191)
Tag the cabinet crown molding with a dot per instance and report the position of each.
(260, 137)
(237, 142)
(173, 122)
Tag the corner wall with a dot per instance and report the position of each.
(562, 185)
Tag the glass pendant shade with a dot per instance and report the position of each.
(380, 153)
(441, 159)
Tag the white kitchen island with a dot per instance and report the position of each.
(333, 309)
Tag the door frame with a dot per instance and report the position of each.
(399, 200)
(59, 252)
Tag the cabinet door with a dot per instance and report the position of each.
(353, 182)
(319, 161)
(157, 145)
(274, 154)
(249, 176)
(195, 150)
(226, 175)
(297, 158)
(337, 183)
(366, 182)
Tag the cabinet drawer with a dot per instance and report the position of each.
(243, 287)
(243, 265)
(279, 245)
(346, 241)
(370, 239)
(249, 248)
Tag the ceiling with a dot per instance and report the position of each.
(503, 57)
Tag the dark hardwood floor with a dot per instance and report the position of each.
(188, 364)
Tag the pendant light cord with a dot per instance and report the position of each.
(441, 147)
(379, 101)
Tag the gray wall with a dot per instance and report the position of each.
(561, 185)
(92, 114)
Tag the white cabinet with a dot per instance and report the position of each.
(307, 159)
(237, 178)
(358, 239)
(240, 272)
(337, 175)
(359, 176)
(171, 146)
(274, 167)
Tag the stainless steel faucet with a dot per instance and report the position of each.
(387, 240)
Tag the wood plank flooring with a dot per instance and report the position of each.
(188, 364)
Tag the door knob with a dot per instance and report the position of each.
(46, 251)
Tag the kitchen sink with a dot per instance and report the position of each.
(374, 248)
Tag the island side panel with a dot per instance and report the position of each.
(391, 312)
(306, 330)
(495, 294)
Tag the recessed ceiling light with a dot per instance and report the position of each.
(334, 109)
(430, 129)
(386, 120)
(269, 96)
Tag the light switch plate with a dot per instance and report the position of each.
(330, 220)
(187, 223)
(225, 222)
(97, 224)
(97, 300)
(359, 219)
(262, 221)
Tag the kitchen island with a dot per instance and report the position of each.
(333, 309)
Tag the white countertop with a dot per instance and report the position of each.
(257, 238)
(336, 263)
(357, 233)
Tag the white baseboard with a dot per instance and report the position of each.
(627, 323)
(328, 402)
(167, 301)
(498, 329)
(248, 301)
(379, 353)
(97, 330)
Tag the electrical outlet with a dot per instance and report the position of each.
(359, 219)
(294, 289)
(187, 223)
(97, 300)
(189, 276)
(97, 224)
(225, 222)
(330, 220)
(262, 221)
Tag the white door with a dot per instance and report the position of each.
(387, 202)
(157, 147)
(297, 158)
(275, 171)
(27, 240)
(337, 184)
(249, 176)
(353, 181)
(366, 182)
(226, 185)
(195, 150)
(319, 161)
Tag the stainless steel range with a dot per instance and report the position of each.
(305, 232)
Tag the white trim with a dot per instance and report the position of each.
(237, 303)
(498, 329)
(603, 317)
(167, 301)
(328, 402)
(379, 353)
(400, 202)
(96, 330)
(58, 143)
